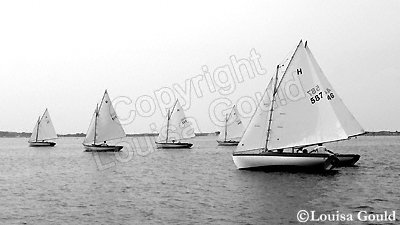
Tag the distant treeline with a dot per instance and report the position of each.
(382, 133)
(27, 135)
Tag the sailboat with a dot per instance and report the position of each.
(304, 111)
(175, 128)
(233, 129)
(103, 127)
(43, 132)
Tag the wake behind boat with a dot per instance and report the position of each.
(304, 111)
(103, 127)
(43, 132)
(232, 130)
(175, 128)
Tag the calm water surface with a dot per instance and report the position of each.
(64, 185)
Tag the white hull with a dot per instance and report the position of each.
(284, 160)
(173, 145)
(102, 148)
(42, 144)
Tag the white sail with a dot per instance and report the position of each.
(255, 134)
(44, 129)
(176, 127)
(89, 139)
(34, 132)
(233, 128)
(312, 111)
(105, 125)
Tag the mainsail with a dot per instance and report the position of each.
(233, 126)
(105, 124)
(176, 126)
(44, 129)
(306, 110)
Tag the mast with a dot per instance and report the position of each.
(168, 118)
(272, 108)
(274, 92)
(226, 126)
(37, 129)
(95, 123)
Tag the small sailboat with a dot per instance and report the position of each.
(103, 127)
(43, 132)
(304, 111)
(233, 129)
(175, 129)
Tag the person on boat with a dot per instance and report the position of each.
(321, 149)
(302, 150)
(104, 143)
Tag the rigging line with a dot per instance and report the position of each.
(287, 67)
(172, 111)
(104, 95)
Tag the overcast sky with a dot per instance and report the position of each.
(63, 55)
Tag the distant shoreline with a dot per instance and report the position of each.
(10, 134)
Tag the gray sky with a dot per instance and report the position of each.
(63, 54)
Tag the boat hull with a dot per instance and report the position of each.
(227, 143)
(347, 159)
(285, 161)
(102, 148)
(170, 145)
(42, 144)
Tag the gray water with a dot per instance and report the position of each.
(142, 185)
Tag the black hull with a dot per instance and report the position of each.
(102, 148)
(42, 144)
(227, 143)
(347, 159)
(176, 145)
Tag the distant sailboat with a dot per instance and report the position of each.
(304, 111)
(43, 132)
(103, 127)
(175, 128)
(233, 129)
